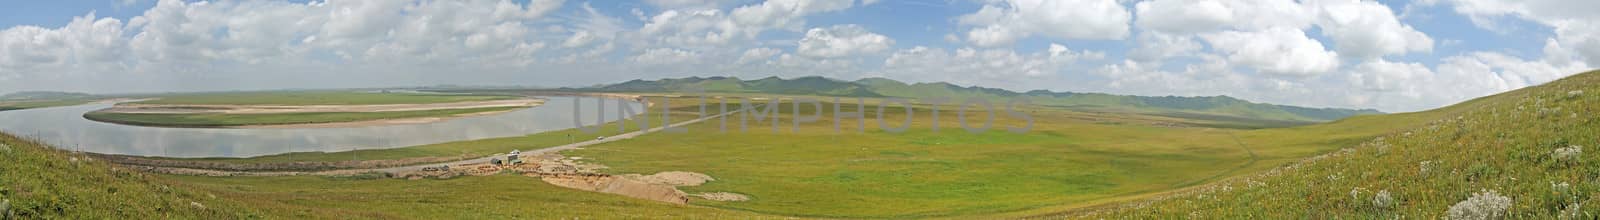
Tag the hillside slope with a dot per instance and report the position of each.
(1174, 106)
(1524, 154)
(37, 182)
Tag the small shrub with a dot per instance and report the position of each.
(1569, 154)
(1563, 197)
(1485, 204)
(1562, 190)
(1383, 200)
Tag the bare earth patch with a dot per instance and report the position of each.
(723, 196)
(672, 178)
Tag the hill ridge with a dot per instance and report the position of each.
(884, 87)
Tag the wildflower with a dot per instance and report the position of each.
(1425, 166)
(1355, 193)
(1383, 200)
(1485, 204)
(1562, 190)
(1562, 187)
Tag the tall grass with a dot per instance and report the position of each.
(1517, 155)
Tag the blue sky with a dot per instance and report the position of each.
(1389, 55)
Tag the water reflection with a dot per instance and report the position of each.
(66, 128)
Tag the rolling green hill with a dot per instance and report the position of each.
(1174, 106)
(1523, 154)
(38, 182)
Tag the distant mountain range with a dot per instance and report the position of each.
(1204, 106)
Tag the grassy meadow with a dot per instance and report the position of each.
(1526, 146)
(1069, 159)
(1072, 164)
(40, 182)
(503, 196)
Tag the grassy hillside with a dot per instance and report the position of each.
(1071, 158)
(314, 98)
(468, 197)
(1524, 154)
(770, 85)
(37, 182)
(1211, 106)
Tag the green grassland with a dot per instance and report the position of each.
(1070, 159)
(315, 98)
(226, 120)
(37, 182)
(476, 197)
(1507, 143)
(1206, 166)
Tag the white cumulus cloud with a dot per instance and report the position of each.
(1004, 22)
(1280, 50)
(842, 40)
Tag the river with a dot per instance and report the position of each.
(66, 128)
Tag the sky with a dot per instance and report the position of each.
(1394, 56)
